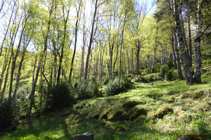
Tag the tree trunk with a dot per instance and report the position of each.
(174, 55)
(190, 40)
(4, 67)
(132, 67)
(148, 63)
(138, 46)
(5, 81)
(197, 70)
(180, 76)
(91, 40)
(55, 66)
(19, 73)
(188, 75)
(14, 63)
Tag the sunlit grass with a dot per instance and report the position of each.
(190, 104)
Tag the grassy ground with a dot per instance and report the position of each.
(161, 111)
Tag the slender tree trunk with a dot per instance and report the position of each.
(190, 40)
(197, 54)
(55, 66)
(34, 68)
(91, 40)
(14, 63)
(153, 59)
(19, 73)
(174, 55)
(5, 81)
(148, 63)
(132, 67)
(138, 46)
(4, 67)
(180, 76)
(6, 31)
(188, 75)
(76, 37)
(84, 44)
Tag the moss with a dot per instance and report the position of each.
(117, 115)
(66, 114)
(136, 111)
(104, 115)
(161, 112)
(126, 115)
(198, 94)
(120, 128)
(194, 136)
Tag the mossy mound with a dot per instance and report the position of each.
(117, 115)
(130, 104)
(65, 114)
(120, 128)
(161, 112)
(195, 136)
(126, 115)
(198, 94)
(136, 111)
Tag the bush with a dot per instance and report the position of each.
(24, 93)
(156, 68)
(163, 70)
(87, 89)
(59, 96)
(8, 113)
(170, 64)
(169, 75)
(137, 79)
(113, 87)
(105, 80)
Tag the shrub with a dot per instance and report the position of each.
(8, 112)
(87, 89)
(113, 87)
(137, 79)
(24, 93)
(168, 75)
(59, 96)
(163, 70)
(105, 80)
(170, 64)
(156, 68)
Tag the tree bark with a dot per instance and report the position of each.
(190, 40)
(138, 47)
(19, 71)
(180, 76)
(5, 81)
(188, 75)
(174, 55)
(91, 39)
(76, 37)
(197, 54)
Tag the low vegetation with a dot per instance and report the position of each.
(160, 111)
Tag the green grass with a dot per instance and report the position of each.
(191, 114)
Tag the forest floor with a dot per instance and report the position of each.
(161, 111)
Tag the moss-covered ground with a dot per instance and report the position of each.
(161, 111)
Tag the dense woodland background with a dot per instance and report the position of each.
(86, 44)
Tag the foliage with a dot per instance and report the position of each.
(113, 87)
(86, 90)
(8, 113)
(59, 96)
(170, 64)
(156, 68)
(105, 80)
(24, 93)
(163, 70)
